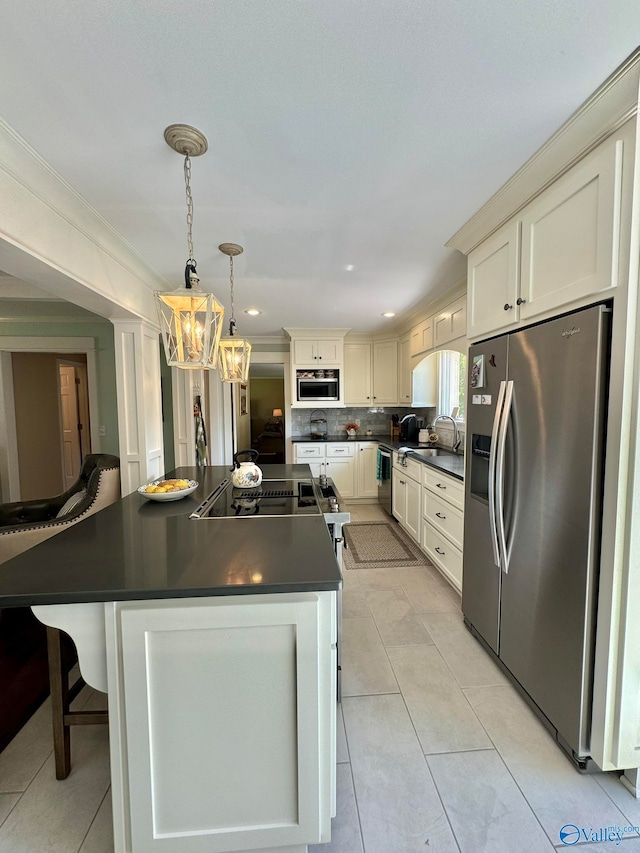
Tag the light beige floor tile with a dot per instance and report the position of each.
(27, 752)
(345, 827)
(626, 802)
(372, 579)
(365, 666)
(99, 839)
(463, 654)
(351, 581)
(60, 813)
(487, 811)
(372, 512)
(342, 750)
(443, 719)
(395, 618)
(554, 789)
(399, 807)
(7, 802)
(354, 603)
(425, 593)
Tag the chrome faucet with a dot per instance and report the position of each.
(456, 439)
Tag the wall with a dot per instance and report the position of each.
(243, 422)
(102, 333)
(36, 395)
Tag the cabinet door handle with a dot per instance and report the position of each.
(440, 486)
(507, 307)
(402, 483)
(438, 551)
(319, 356)
(443, 517)
(520, 301)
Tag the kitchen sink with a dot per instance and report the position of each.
(425, 452)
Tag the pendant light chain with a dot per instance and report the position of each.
(187, 181)
(233, 313)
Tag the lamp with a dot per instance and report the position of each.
(277, 413)
(190, 320)
(235, 353)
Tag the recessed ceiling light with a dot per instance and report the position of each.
(349, 267)
(253, 312)
(389, 314)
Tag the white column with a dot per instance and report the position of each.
(139, 402)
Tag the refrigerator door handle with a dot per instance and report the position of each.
(502, 441)
(492, 475)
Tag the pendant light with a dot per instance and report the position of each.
(235, 353)
(190, 320)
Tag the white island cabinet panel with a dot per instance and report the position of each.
(226, 733)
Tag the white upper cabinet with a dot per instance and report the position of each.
(493, 282)
(357, 374)
(385, 372)
(562, 247)
(404, 371)
(311, 352)
(450, 323)
(421, 337)
(570, 234)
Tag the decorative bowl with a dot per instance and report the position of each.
(167, 496)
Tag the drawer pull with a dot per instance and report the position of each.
(438, 551)
(440, 486)
(443, 517)
(339, 450)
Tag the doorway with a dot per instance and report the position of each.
(75, 431)
(267, 412)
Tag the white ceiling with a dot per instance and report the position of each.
(340, 132)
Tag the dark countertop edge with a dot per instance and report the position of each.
(103, 597)
(392, 444)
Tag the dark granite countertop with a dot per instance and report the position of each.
(138, 549)
(451, 463)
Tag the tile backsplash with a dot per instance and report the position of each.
(377, 421)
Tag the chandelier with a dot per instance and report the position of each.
(235, 353)
(190, 320)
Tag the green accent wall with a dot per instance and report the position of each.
(102, 334)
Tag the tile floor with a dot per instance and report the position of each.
(436, 750)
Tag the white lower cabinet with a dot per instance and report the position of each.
(406, 494)
(367, 462)
(222, 722)
(443, 523)
(351, 465)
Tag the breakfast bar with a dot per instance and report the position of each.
(215, 640)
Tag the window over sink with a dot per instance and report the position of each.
(440, 378)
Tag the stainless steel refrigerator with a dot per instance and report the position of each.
(535, 444)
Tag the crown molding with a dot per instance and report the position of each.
(612, 105)
(74, 253)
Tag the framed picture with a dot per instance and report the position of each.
(477, 372)
(243, 399)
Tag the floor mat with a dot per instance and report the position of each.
(380, 545)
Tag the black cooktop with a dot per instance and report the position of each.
(270, 498)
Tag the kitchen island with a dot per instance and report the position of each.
(216, 642)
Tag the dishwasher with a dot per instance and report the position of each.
(384, 479)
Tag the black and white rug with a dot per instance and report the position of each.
(380, 545)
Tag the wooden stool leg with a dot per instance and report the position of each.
(59, 685)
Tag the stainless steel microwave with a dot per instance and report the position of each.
(314, 390)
